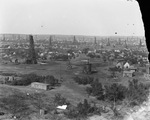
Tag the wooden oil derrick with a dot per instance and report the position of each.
(87, 68)
(95, 41)
(126, 46)
(4, 37)
(140, 43)
(75, 40)
(50, 42)
(32, 54)
(108, 42)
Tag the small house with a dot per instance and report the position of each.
(119, 65)
(14, 60)
(128, 73)
(132, 68)
(42, 86)
(126, 65)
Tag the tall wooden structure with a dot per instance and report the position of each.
(108, 42)
(95, 40)
(126, 46)
(32, 54)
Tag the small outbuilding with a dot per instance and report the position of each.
(126, 65)
(128, 73)
(119, 65)
(42, 86)
(132, 68)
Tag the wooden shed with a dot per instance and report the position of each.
(42, 86)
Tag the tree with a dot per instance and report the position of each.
(59, 100)
(96, 90)
(115, 93)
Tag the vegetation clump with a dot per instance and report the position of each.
(82, 110)
(83, 80)
(27, 79)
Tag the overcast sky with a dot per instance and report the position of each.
(71, 17)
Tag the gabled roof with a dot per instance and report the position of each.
(126, 64)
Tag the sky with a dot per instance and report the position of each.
(71, 17)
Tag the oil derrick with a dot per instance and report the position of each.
(108, 42)
(50, 42)
(3, 37)
(74, 40)
(95, 41)
(126, 46)
(140, 43)
(32, 54)
(87, 68)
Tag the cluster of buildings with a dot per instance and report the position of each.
(128, 70)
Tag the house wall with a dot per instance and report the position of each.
(127, 74)
(39, 86)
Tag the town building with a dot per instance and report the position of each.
(128, 73)
(119, 65)
(126, 65)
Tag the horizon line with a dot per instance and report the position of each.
(74, 35)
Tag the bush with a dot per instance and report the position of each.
(115, 92)
(96, 89)
(59, 100)
(83, 80)
(137, 92)
(49, 79)
(71, 113)
(27, 79)
(82, 110)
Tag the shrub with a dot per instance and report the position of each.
(59, 100)
(115, 92)
(82, 110)
(83, 80)
(96, 89)
(71, 113)
(137, 92)
(27, 79)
